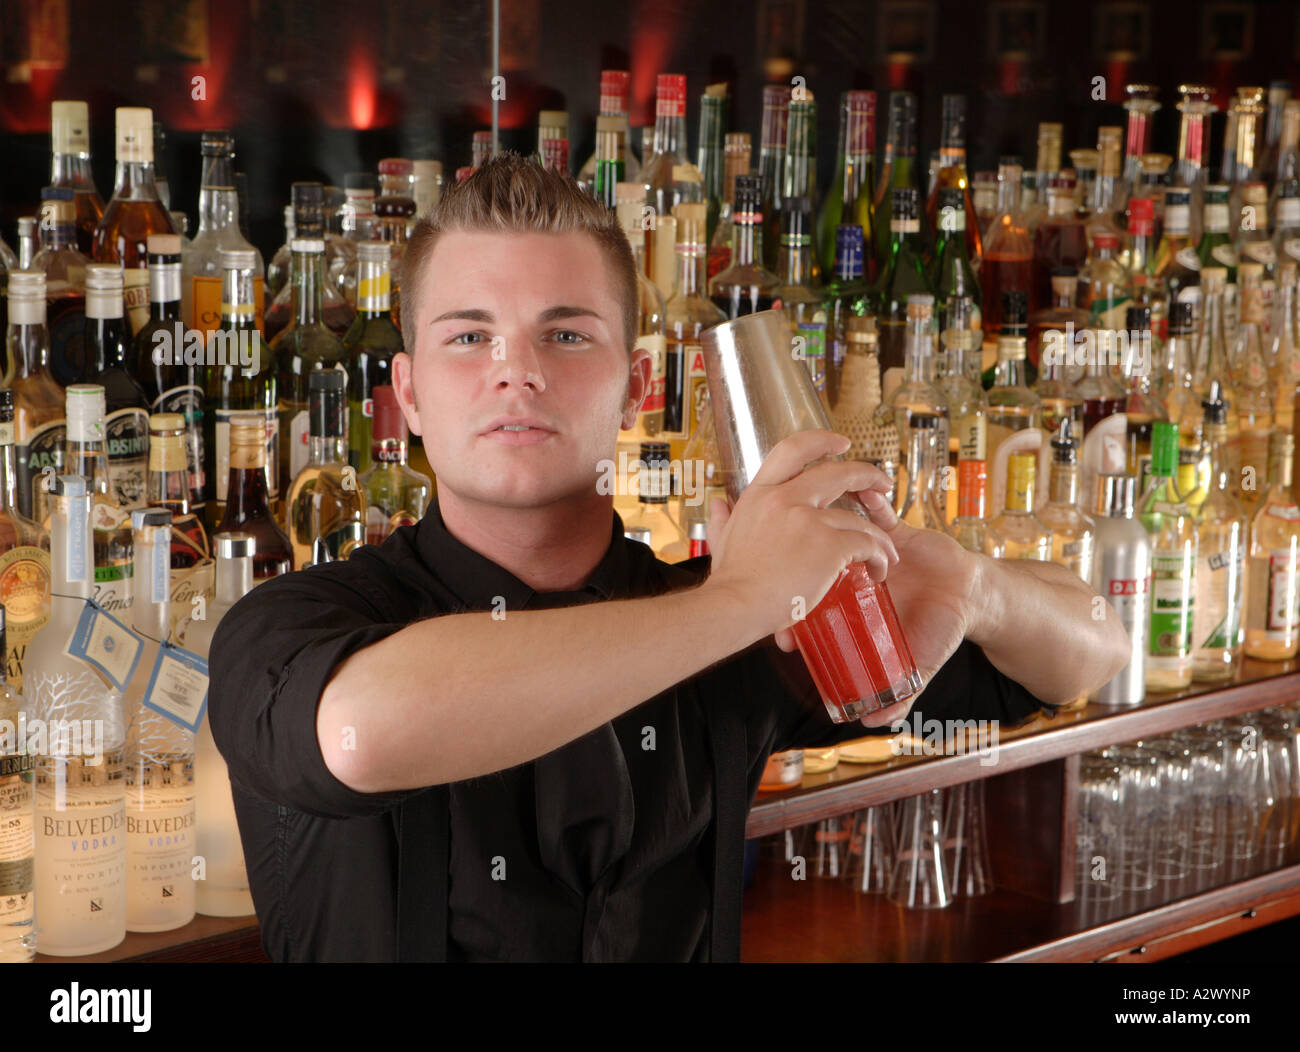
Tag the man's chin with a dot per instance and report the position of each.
(520, 493)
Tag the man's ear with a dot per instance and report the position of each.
(638, 386)
(404, 388)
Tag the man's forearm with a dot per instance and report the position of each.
(464, 695)
(1046, 629)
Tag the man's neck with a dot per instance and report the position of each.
(550, 549)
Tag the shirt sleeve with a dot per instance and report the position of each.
(270, 659)
(967, 687)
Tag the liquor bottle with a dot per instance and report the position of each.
(1060, 317)
(1177, 388)
(1012, 405)
(1108, 193)
(24, 556)
(160, 171)
(126, 427)
(1085, 174)
(426, 186)
(1046, 174)
(65, 283)
(1104, 284)
(847, 295)
(746, 286)
(803, 304)
(849, 199)
(1008, 251)
(613, 107)
(952, 176)
(1284, 367)
(1244, 164)
(1155, 167)
(370, 343)
(38, 398)
(1024, 534)
(160, 829)
(1286, 180)
(687, 314)
(1122, 575)
(902, 276)
(110, 524)
(277, 271)
(1177, 266)
(1212, 356)
(1253, 242)
(247, 507)
(610, 169)
(26, 242)
(1191, 169)
(134, 212)
(394, 494)
(394, 210)
(80, 787)
(169, 489)
(1215, 250)
(970, 528)
(1140, 260)
(1142, 107)
(916, 394)
(923, 507)
(552, 140)
(223, 891)
(953, 274)
(326, 505)
(18, 844)
(959, 387)
(669, 146)
(859, 413)
(650, 323)
(303, 348)
(309, 224)
(898, 171)
(1273, 588)
(736, 151)
(218, 229)
(1142, 404)
(170, 385)
(771, 170)
(1221, 559)
(1073, 532)
(1060, 400)
(70, 168)
(1059, 240)
(1102, 394)
(709, 158)
(233, 386)
(799, 172)
(667, 540)
(1168, 521)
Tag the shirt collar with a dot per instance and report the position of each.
(477, 581)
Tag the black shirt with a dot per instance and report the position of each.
(602, 850)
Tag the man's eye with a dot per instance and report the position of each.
(468, 337)
(568, 336)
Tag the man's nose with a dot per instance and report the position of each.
(517, 361)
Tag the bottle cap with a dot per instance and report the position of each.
(1137, 317)
(134, 135)
(308, 202)
(1115, 496)
(1105, 239)
(234, 545)
(68, 486)
(400, 166)
(614, 90)
(375, 252)
(308, 245)
(1182, 318)
(27, 284)
(237, 258)
(142, 518)
(1216, 409)
(70, 126)
(104, 277)
(862, 330)
(163, 245)
(166, 422)
(1064, 451)
(85, 412)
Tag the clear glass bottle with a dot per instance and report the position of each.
(1273, 587)
(223, 891)
(135, 211)
(394, 210)
(1255, 397)
(80, 785)
(1215, 250)
(277, 271)
(18, 843)
(1103, 284)
(669, 145)
(110, 523)
(613, 107)
(70, 167)
(370, 343)
(1059, 316)
(1059, 397)
(1072, 530)
(959, 388)
(64, 268)
(1169, 523)
(924, 505)
(248, 507)
(803, 304)
(1142, 405)
(334, 311)
(38, 398)
(1212, 364)
(1108, 193)
(201, 282)
(1177, 386)
(917, 394)
(160, 829)
(667, 540)
(24, 556)
(326, 507)
(1012, 405)
(745, 287)
(1221, 559)
(1284, 357)
(1026, 536)
(1008, 251)
(395, 494)
(169, 490)
(971, 528)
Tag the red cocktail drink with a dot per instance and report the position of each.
(855, 648)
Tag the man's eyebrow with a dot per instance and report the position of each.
(562, 312)
(466, 314)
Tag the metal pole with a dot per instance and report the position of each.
(496, 72)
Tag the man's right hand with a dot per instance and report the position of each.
(782, 542)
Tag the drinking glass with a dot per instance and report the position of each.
(871, 849)
(965, 841)
(918, 880)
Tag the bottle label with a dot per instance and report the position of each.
(17, 839)
(654, 481)
(1177, 219)
(1188, 259)
(1288, 512)
(905, 226)
(299, 435)
(952, 219)
(135, 297)
(1216, 218)
(178, 686)
(1161, 507)
(38, 449)
(205, 305)
(343, 541)
(1219, 599)
(972, 438)
(813, 335)
(1224, 255)
(126, 440)
(1283, 594)
(160, 847)
(101, 640)
(657, 346)
(1261, 252)
(222, 456)
(188, 402)
(24, 591)
(1128, 597)
(1173, 591)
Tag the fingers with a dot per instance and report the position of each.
(887, 715)
(795, 452)
(826, 482)
(842, 519)
(784, 638)
(879, 506)
(719, 513)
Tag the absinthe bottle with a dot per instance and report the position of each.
(80, 791)
(160, 828)
(37, 397)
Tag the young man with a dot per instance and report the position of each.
(508, 733)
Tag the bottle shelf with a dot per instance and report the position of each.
(210, 939)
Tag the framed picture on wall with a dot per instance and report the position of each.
(1122, 31)
(906, 31)
(1017, 30)
(1228, 31)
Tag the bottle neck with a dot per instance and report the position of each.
(389, 452)
(71, 557)
(86, 458)
(922, 461)
(327, 449)
(692, 269)
(1010, 370)
(710, 155)
(246, 495)
(165, 291)
(72, 170)
(1064, 488)
(796, 257)
(150, 606)
(234, 580)
(8, 473)
(218, 199)
(1216, 358)
(670, 131)
(916, 353)
(238, 306)
(745, 238)
(1216, 436)
(374, 288)
(307, 273)
(800, 155)
(135, 182)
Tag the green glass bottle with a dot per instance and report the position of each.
(713, 122)
(899, 169)
(847, 295)
(849, 199)
(953, 274)
(371, 342)
(903, 275)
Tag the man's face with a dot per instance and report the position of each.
(519, 380)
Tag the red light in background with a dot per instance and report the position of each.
(361, 88)
(1009, 76)
(654, 29)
